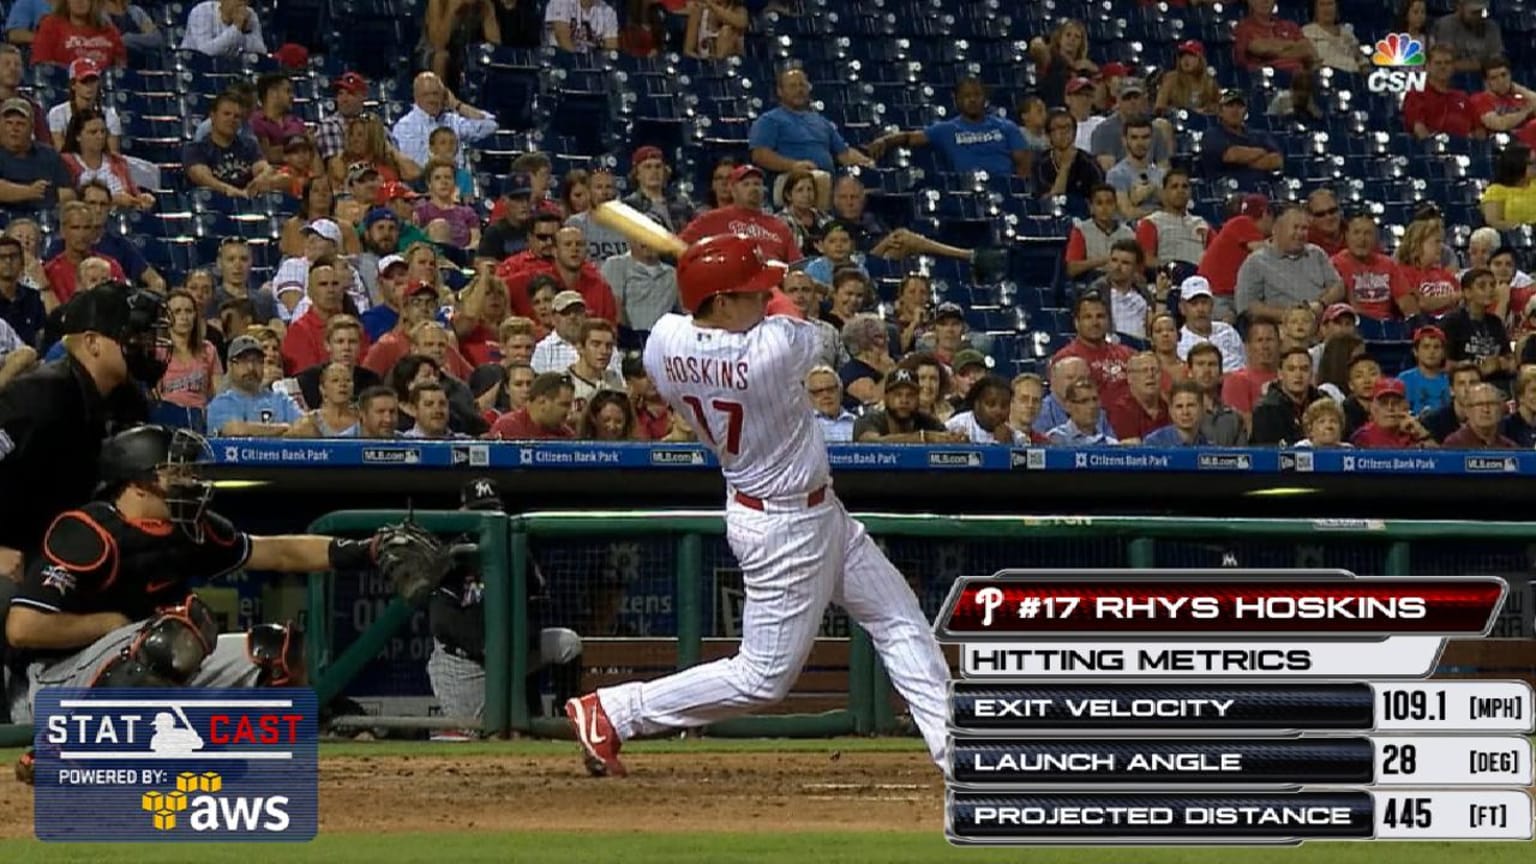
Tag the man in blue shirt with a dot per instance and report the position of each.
(974, 141)
(1186, 408)
(1053, 410)
(249, 408)
(1083, 414)
(1229, 149)
(792, 137)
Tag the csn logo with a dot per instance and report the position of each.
(1399, 62)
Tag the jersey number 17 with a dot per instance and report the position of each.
(733, 418)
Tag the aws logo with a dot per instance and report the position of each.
(195, 796)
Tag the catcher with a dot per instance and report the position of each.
(108, 602)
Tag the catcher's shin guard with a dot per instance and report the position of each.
(167, 652)
(279, 650)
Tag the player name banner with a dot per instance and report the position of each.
(1041, 708)
(1216, 603)
(176, 765)
(1125, 818)
(1392, 657)
(1249, 762)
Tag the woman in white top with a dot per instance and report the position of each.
(1334, 40)
(337, 415)
(84, 92)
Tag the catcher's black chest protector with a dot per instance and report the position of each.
(94, 560)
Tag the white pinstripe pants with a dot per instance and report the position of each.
(794, 560)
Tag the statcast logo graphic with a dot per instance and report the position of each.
(1399, 62)
(209, 812)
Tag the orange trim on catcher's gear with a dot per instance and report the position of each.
(109, 545)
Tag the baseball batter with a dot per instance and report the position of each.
(735, 373)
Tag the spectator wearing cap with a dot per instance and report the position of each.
(1196, 305)
(1137, 179)
(1242, 389)
(418, 306)
(968, 367)
(1442, 421)
(545, 417)
(249, 407)
(224, 162)
(1053, 410)
(384, 316)
(826, 392)
(21, 305)
(322, 239)
(1122, 284)
(1109, 144)
(84, 94)
(1189, 85)
(1391, 426)
(745, 216)
(1185, 411)
(1426, 385)
(301, 164)
(1373, 285)
(1325, 227)
(1080, 93)
(78, 30)
(1520, 425)
(870, 359)
(223, 28)
(602, 242)
(506, 236)
(1232, 151)
(1334, 41)
(537, 257)
(1171, 235)
(351, 91)
(273, 121)
(1089, 240)
(399, 201)
(304, 343)
(344, 341)
(1061, 59)
(1083, 410)
(1470, 33)
(898, 420)
(1286, 272)
(32, 176)
(436, 106)
(976, 140)
(1141, 409)
(1065, 169)
(460, 222)
(1440, 108)
(649, 177)
(1475, 336)
(1106, 360)
(794, 137)
(948, 335)
(1263, 39)
(78, 225)
(557, 350)
(1336, 320)
(643, 285)
(1277, 417)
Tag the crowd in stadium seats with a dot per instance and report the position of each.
(1175, 224)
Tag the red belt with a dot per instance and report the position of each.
(816, 497)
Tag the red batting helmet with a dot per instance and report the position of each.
(724, 264)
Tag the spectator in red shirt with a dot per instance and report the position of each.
(1242, 389)
(745, 216)
(1325, 228)
(480, 310)
(78, 28)
(1241, 234)
(537, 257)
(545, 416)
(1485, 411)
(79, 230)
(304, 343)
(1262, 39)
(1106, 360)
(1504, 105)
(1439, 107)
(1372, 283)
(1428, 287)
(567, 262)
(1142, 408)
(1391, 426)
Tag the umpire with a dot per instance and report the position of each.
(457, 614)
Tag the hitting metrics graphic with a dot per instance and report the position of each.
(176, 765)
(1399, 60)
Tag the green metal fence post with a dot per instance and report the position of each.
(516, 604)
(317, 625)
(1398, 559)
(1141, 553)
(690, 618)
(500, 632)
(864, 677)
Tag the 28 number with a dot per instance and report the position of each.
(733, 418)
(1397, 759)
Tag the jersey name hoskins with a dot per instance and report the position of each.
(730, 374)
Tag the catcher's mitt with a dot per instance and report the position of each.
(412, 559)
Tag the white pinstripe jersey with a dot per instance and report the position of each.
(744, 395)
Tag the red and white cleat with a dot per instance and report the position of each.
(599, 743)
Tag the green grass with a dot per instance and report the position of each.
(821, 848)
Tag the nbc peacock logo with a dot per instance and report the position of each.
(1399, 60)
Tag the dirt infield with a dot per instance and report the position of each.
(687, 792)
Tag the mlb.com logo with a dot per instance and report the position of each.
(1399, 61)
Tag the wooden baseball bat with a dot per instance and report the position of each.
(638, 227)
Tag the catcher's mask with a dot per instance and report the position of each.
(146, 340)
(167, 462)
